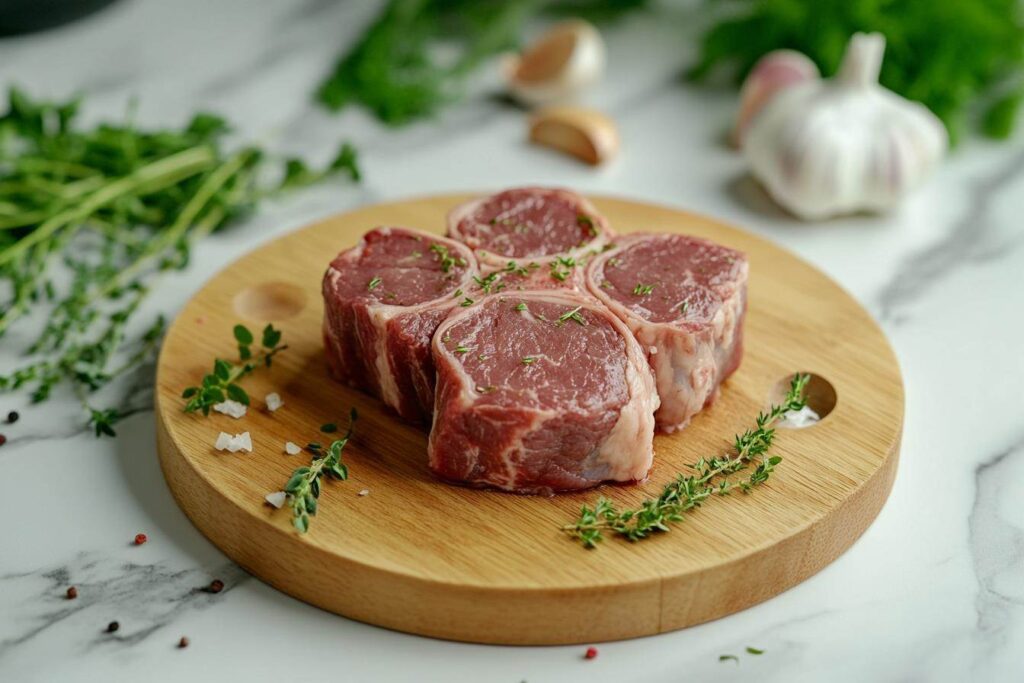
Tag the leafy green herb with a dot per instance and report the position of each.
(642, 289)
(460, 349)
(374, 283)
(754, 651)
(729, 658)
(414, 59)
(222, 383)
(573, 315)
(303, 488)
(523, 271)
(688, 492)
(108, 210)
(457, 294)
(684, 306)
(467, 302)
(446, 259)
(528, 360)
(489, 283)
(521, 306)
(947, 54)
(562, 266)
(329, 428)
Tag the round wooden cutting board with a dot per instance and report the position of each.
(422, 556)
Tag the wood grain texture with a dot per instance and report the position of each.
(427, 557)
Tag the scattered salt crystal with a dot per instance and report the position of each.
(653, 349)
(797, 419)
(231, 408)
(233, 444)
(277, 498)
(273, 401)
(291, 448)
(364, 492)
(244, 441)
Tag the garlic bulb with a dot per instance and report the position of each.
(775, 71)
(829, 147)
(569, 57)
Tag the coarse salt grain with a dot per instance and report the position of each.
(292, 448)
(233, 444)
(364, 492)
(797, 419)
(231, 408)
(273, 401)
(277, 498)
(244, 441)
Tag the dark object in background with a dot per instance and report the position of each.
(25, 16)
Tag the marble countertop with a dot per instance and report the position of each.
(933, 591)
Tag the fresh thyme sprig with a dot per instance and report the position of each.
(303, 488)
(688, 491)
(110, 209)
(222, 383)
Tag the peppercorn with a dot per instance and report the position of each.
(591, 653)
(216, 586)
(140, 539)
(113, 626)
(183, 642)
(12, 417)
(72, 593)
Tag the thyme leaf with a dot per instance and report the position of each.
(573, 315)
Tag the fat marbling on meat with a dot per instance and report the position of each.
(540, 391)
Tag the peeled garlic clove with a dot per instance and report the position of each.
(846, 144)
(586, 134)
(569, 57)
(775, 71)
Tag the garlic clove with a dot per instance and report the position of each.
(775, 71)
(586, 134)
(563, 61)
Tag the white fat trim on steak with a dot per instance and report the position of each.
(680, 358)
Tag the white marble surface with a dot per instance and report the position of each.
(934, 591)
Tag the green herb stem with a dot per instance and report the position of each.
(688, 491)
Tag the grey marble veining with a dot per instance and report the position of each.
(933, 591)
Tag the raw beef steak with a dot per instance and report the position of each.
(540, 392)
(684, 298)
(533, 238)
(383, 299)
